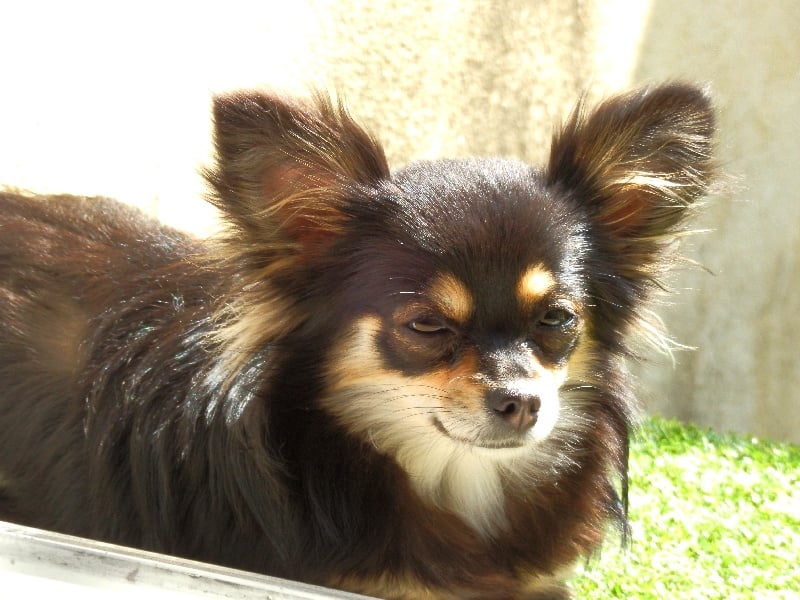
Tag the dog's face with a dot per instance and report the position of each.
(473, 313)
(465, 313)
(462, 326)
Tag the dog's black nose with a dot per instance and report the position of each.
(518, 411)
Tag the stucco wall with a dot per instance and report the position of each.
(744, 320)
(99, 99)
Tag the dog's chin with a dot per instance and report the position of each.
(488, 440)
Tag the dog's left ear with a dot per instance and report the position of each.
(637, 162)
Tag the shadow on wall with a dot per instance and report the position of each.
(744, 320)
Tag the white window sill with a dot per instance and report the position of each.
(35, 563)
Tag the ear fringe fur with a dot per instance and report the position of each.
(638, 165)
(654, 143)
(277, 161)
(281, 176)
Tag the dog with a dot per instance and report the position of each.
(407, 384)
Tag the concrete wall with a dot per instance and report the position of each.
(99, 99)
(744, 320)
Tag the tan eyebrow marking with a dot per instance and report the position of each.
(535, 282)
(451, 297)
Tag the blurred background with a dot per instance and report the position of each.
(102, 98)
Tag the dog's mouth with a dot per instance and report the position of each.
(487, 442)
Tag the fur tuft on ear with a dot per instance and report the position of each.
(638, 160)
(635, 166)
(283, 174)
(282, 169)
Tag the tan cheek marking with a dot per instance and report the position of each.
(534, 284)
(356, 362)
(579, 365)
(462, 384)
(451, 297)
(357, 357)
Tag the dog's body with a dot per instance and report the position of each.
(408, 385)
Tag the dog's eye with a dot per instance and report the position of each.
(427, 326)
(556, 317)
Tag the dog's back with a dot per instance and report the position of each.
(64, 263)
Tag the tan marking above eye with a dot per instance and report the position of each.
(452, 297)
(535, 282)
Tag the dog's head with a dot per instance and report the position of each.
(465, 297)
(474, 310)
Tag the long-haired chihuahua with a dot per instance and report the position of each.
(405, 384)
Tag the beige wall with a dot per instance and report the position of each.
(100, 100)
(745, 320)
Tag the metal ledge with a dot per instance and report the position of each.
(34, 562)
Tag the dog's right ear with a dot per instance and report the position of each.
(283, 168)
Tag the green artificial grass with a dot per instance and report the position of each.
(712, 516)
